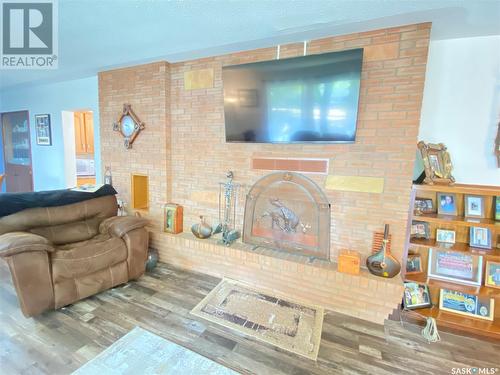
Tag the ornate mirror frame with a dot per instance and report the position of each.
(437, 163)
(138, 126)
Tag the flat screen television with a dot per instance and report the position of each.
(297, 100)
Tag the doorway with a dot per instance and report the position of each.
(17, 151)
(84, 147)
(79, 147)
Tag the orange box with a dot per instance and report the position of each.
(349, 262)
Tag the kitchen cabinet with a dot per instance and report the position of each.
(84, 133)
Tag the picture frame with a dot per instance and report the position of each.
(480, 237)
(492, 277)
(173, 218)
(497, 208)
(445, 236)
(474, 206)
(455, 266)
(437, 163)
(447, 204)
(466, 304)
(416, 296)
(423, 206)
(42, 130)
(420, 229)
(413, 264)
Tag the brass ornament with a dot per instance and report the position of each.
(437, 163)
(128, 125)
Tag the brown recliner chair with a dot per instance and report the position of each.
(59, 255)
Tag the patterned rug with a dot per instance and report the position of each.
(142, 352)
(291, 326)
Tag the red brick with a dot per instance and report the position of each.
(183, 150)
(377, 52)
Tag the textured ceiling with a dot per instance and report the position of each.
(96, 35)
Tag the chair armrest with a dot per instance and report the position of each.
(20, 242)
(118, 226)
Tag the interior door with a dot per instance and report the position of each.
(17, 151)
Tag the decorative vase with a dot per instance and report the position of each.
(202, 229)
(152, 259)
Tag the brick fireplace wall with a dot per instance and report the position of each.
(146, 88)
(183, 150)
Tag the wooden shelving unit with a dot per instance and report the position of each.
(416, 243)
(461, 225)
(458, 221)
(462, 323)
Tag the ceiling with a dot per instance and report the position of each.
(96, 35)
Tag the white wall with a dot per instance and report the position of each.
(49, 169)
(461, 105)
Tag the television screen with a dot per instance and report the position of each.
(303, 99)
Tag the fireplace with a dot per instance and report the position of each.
(287, 211)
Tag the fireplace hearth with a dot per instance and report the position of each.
(289, 212)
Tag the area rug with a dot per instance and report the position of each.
(142, 352)
(291, 326)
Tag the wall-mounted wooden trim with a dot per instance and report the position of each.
(303, 165)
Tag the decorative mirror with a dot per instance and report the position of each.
(128, 125)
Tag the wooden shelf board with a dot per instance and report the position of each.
(460, 189)
(481, 291)
(462, 323)
(458, 220)
(457, 246)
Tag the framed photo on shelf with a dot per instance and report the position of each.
(43, 132)
(474, 206)
(437, 163)
(423, 206)
(420, 229)
(454, 266)
(480, 237)
(497, 208)
(416, 296)
(492, 274)
(413, 264)
(172, 218)
(445, 236)
(466, 304)
(447, 204)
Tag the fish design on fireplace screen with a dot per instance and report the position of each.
(287, 211)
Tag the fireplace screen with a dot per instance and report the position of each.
(287, 211)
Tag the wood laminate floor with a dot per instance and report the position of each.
(59, 342)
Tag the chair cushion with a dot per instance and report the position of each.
(86, 257)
